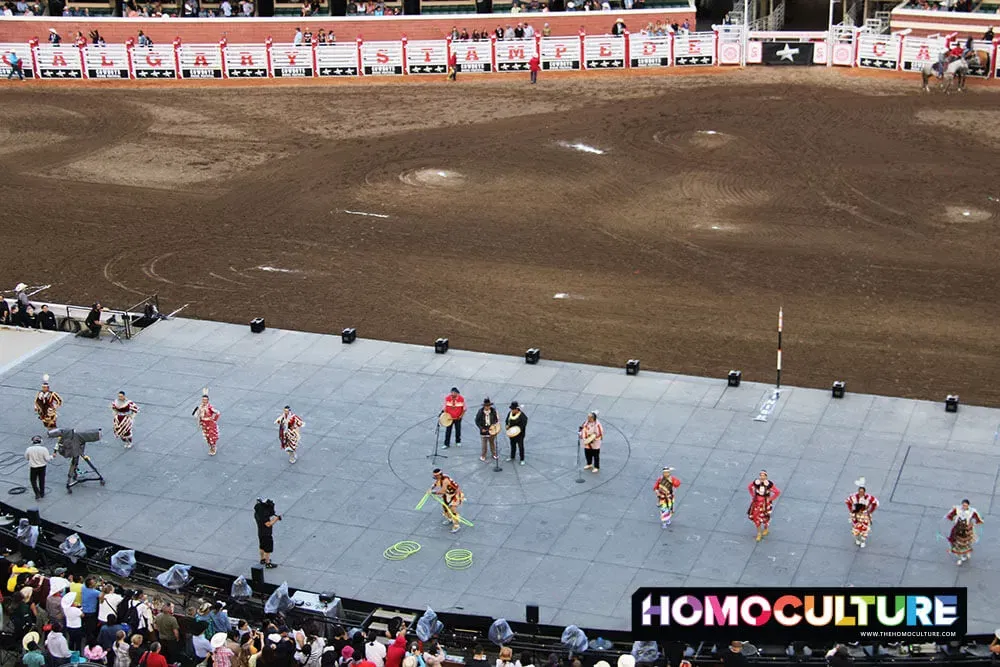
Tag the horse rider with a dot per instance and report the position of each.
(969, 48)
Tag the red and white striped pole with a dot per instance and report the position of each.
(780, 317)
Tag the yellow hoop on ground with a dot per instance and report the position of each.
(458, 559)
(401, 550)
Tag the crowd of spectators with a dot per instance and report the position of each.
(66, 618)
(23, 313)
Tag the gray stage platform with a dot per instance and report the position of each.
(578, 550)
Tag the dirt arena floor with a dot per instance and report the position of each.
(664, 218)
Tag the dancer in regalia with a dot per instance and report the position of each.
(289, 430)
(763, 493)
(664, 487)
(46, 404)
(208, 419)
(963, 532)
(124, 411)
(451, 494)
(860, 506)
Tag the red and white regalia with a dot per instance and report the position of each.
(208, 419)
(289, 431)
(963, 533)
(46, 404)
(124, 416)
(861, 526)
(763, 493)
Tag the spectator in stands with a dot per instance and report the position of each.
(374, 650)
(506, 658)
(546, 30)
(120, 651)
(434, 654)
(307, 38)
(553, 660)
(297, 39)
(144, 40)
(397, 651)
(109, 631)
(135, 650)
(54, 37)
(475, 35)
(34, 657)
(247, 7)
(153, 657)
(168, 632)
(686, 27)
(519, 31)
(4, 308)
(618, 29)
(528, 659)
(74, 621)
(529, 32)
(733, 657)
(106, 612)
(94, 652)
(988, 35)
(57, 646)
(30, 319)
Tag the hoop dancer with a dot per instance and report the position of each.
(664, 487)
(125, 412)
(289, 431)
(451, 493)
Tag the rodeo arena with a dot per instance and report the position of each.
(422, 333)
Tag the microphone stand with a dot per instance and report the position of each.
(496, 450)
(579, 470)
(437, 437)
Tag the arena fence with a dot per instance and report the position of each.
(725, 45)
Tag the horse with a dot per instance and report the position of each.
(955, 73)
(930, 69)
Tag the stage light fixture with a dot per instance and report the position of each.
(951, 403)
(735, 377)
(838, 388)
(532, 355)
(349, 335)
(257, 325)
(632, 367)
(441, 345)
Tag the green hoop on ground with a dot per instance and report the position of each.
(401, 550)
(458, 559)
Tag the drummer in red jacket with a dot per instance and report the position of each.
(454, 407)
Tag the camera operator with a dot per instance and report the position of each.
(265, 517)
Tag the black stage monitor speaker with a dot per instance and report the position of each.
(632, 367)
(532, 356)
(441, 345)
(349, 335)
(735, 377)
(951, 403)
(257, 325)
(531, 614)
(838, 388)
(257, 575)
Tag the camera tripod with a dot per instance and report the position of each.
(73, 477)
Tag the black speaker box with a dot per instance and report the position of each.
(531, 614)
(257, 575)
(257, 325)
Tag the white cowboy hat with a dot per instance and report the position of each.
(21, 286)
(860, 481)
(52, 30)
(218, 640)
(33, 637)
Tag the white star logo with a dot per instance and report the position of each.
(787, 53)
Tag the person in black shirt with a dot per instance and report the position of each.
(265, 518)
(517, 423)
(47, 319)
(4, 311)
(93, 322)
(30, 319)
